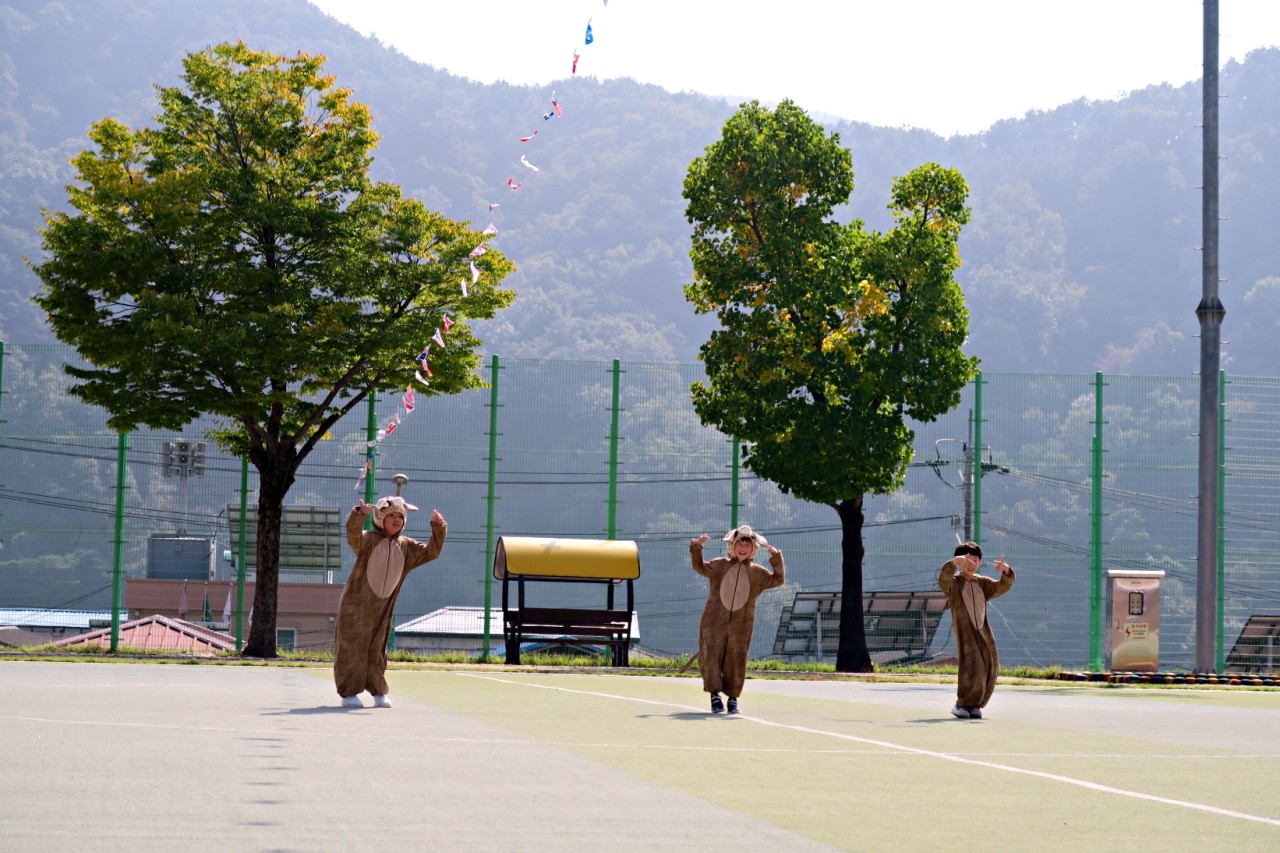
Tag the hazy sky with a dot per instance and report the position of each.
(952, 66)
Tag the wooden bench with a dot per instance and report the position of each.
(899, 625)
(1257, 649)
(521, 561)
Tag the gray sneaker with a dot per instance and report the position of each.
(962, 713)
(733, 704)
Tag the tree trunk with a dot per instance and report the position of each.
(275, 476)
(852, 655)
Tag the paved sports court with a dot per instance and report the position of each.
(152, 756)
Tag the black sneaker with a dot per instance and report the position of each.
(975, 713)
(717, 705)
(733, 704)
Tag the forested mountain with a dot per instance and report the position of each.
(1081, 255)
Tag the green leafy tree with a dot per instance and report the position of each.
(237, 260)
(831, 337)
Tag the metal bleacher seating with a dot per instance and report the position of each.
(1257, 649)
(899, 625)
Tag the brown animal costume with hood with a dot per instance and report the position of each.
(383, 561)
(967, 596)
(724, 635)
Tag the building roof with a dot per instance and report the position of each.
(40, 617)
(158, 633)
(453, 622)
(469, 622)
(12, 638)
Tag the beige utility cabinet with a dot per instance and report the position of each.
(1133, 630)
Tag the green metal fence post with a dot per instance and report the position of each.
(612, 533)
(371, 484)
(1095, 534)
(491, 500)
(371, 475)
(613, 451)
(117, 559)
(733, 484)
(242, 551)
(977, 458)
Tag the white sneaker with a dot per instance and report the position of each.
(382, 701)
(962, 713)
(352, 702)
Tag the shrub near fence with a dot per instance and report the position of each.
(614, 450)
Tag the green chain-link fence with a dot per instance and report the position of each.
(600, 449)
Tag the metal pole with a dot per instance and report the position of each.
(371, 476)
(734, 466)
(1095, 534)
(1210, 313)
(117, 560)
(613, 450)
(977, 458)
(1222, 521)
(613, 482)
(242, 551)
(969, 459)
(491, 500)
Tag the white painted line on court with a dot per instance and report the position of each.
(944, 756)
(592, 744)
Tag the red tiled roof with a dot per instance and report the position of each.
(157, 633)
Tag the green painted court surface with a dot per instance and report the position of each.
(150, 757)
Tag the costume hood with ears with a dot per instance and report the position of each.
(386, 506)
(744, 531)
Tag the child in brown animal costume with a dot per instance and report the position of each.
(967, 597)
(724, 635)
(384, 559)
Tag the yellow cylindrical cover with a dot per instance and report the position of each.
(529, 556)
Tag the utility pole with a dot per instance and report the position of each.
(1210, 313)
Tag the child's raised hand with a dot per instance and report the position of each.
(701, 540)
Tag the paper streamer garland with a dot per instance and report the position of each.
(407, 400)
